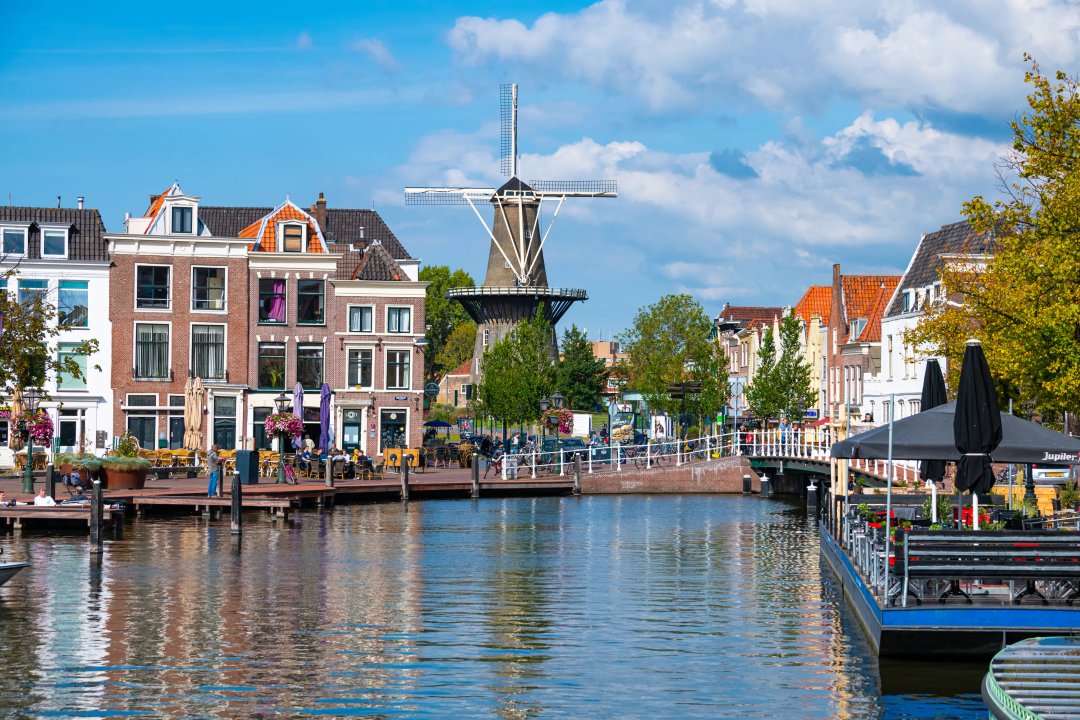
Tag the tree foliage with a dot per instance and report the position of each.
(517, 372)
(793, 372)
(670, 342)
(763, 394)
(442, 315)
(29, 352)
(458, 347)
(581, 376)
(1024, 302)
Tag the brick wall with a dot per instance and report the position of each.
(725, 475)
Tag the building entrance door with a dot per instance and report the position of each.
(352, 429)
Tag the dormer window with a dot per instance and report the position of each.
(857, 326)
(181, 220)
(54, 242)
(292, 238)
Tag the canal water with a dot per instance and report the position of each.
(554, 607)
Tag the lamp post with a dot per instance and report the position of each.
(545, 403)
(282, 401)
(557, 402)
(30, 400)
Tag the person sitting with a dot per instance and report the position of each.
(78, 496)
(4, 501)
(304, 461)
(72, 479)
(43, 498)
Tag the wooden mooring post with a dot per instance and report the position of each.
(329, 474)
(405, 479)
(236, 524)
(475, 477)
(50, 480)
(577, 473)
(97, 519)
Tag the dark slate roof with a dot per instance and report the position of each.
(348, 262)
(377, 264)
(514, 185)
(344, 226)
(742, 315)
(85, 241)
(925, 268)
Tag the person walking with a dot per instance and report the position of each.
(213, 466)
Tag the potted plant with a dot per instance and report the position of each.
(1069, 495)
(280, 424)
(124, 469)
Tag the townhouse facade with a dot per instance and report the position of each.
(739, 329)
(61, 253)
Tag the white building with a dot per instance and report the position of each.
(61, 252)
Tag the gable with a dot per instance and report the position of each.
(264, 232)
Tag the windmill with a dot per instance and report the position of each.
(516, 283)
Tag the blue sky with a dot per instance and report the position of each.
(755, 142)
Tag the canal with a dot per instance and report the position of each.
(553, 607)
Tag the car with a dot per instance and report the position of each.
(570, 446)
(1050, 474)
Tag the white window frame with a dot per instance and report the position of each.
(135, 289)
(169, 205)
(348, 318)
(225, 290)
(386, 319)
(86, 381)
(280, 228)
(134, 344)
(24, 228)
(386, 368)
(374, 366)
(53, 228)
(191, 348)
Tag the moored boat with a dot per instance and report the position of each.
(9, 570)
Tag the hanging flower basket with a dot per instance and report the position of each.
(37, 425)
(286, 423)
(561, 418)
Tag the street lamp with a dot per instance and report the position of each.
(282, 402)
(30, 400)
(557, 401)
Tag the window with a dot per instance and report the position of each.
(176, 422)
(360, 319)
(208, 352)
(397, 369)
(399, 320)
(258, 428)
(142, 400)
(309, 302)
(74, 300)
(66, 380)
(309, 365)
(487, 337)
(360, 366)
(208, 288)
(271, 300)
(72, 428)
(272, 366)
(30, 290)
(54, 243)
(152, 286)
(14, 241)
(292, 238)
(225, 421)
(151, 350)
(144, 428)
(181, 220)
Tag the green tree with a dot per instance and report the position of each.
(29, 352)
(1023, 303)
(670, 342)
(517, 372)
(581, 375)
(764, 394)
(442, 315)
(458, 347)
(793, 372)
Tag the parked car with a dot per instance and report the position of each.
(1050, 474)
(570, 446)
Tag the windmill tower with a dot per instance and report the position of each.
(516, 283)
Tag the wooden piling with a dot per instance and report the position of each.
(50, 480)
(97, 518)
(405, 479)
(236, 520)
(577, 473)
(475, 478)
(330, 472)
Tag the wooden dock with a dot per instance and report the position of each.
(57, 515)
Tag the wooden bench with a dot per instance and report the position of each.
(1001, 555)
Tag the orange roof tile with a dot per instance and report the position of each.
(158, 203)
(264, 231)
(860, 291)
(872, 332)
(815, 301)
(464, 369)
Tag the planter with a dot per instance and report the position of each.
(114, 479)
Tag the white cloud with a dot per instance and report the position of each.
(378, 52)
(304, 41)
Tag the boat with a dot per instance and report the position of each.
(9, 570)
(972, 623)
(1034, 678)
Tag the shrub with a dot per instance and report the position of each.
(123, 463)
(127, 446)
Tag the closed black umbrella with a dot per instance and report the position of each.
(934, 395)
(977, 423)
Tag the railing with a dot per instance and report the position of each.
(808, 444)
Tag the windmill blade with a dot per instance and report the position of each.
(508, 129)
(446, 196)
(575, 188)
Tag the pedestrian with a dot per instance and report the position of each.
(43, 498)
(309, 443)
(213, 467)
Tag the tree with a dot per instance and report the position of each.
(29, 353)
(793, 372)
(581, 375)
(517, 372)
(763, 394)
(442, 315)
(458, 347)
(1023, 303)
(670, 342)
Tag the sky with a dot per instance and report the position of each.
(754, 142)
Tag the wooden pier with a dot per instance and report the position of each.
(57, 515)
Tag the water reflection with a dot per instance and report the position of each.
(632, 606)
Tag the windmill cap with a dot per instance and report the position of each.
(514, 185)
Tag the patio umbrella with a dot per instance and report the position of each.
(977, 423)
(187, 413)
(298, 411)
(198, 396)
(14, 440)
(325, 431)
(934, 394)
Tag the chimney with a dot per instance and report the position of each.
(153, 199)
(82, 202)
(319, 211)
